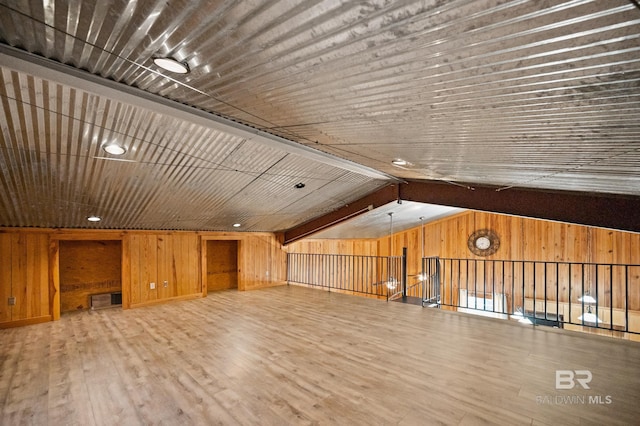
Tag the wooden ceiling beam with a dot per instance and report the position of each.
(367, 203)
(592, 209)
(600, 210)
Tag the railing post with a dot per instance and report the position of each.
(404, 272)
(288, 268)
(423, 277)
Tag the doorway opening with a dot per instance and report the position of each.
(90, 274)
(222, 265)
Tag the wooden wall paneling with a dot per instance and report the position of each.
(33, 277)
(204, 249)
(529, 245)
(39, 273)
(252, 270)
(455, 236)
(85, 234)
(432, 240)
(177, 263)
(126, 272)
(148, 267)
(620, 255)
(255, 263)
(260, 250)
(246, 266)
(521, 239)
(575, 250)
(508, 227)
(26, 277)
(170, 257)
(19, 276)
(258, 264)
(184, 265)
(54, 279)
(88, 267)
(135, 287)
(187, 266)
(633, 275)
(576, 247)
(194, 260)
(5, 277)
(279, 258)
(413, 262)
(222, 265)
(166, 264)
(600, 277)
(561, 235)
(133, 255)
(384, 246)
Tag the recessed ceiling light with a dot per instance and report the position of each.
(94, 218)
(399, 162)
(237, 225)
(114, 148)
(172, 65)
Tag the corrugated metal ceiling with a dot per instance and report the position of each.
(541, 94)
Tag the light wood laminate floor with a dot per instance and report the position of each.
(292, 355)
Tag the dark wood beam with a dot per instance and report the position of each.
(601, 210)
(369, 202)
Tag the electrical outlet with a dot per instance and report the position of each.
(12, 301)
(165, 284)
(152, 285)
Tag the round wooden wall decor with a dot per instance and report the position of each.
(483, 242)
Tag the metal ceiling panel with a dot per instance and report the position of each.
(511, 93)
(176, 174)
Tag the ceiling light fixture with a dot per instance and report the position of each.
(114, 148)
(399, 162)
(237, 225)
(300, 185)
(94, 218)
(586, 298)
(172, 65)
(590, 317)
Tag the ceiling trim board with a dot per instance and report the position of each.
(48, 69)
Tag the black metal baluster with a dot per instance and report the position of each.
(610, 297)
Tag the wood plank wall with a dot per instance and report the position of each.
(222, 265)
(30, 267)
(168, 262)
(520, 239)
(86, 268)
(368, 247)
(24, 275)
(262, 260)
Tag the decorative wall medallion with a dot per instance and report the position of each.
(483, 242)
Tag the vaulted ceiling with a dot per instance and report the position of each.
(509, 94)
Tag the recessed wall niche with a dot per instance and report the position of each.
(87, 268)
